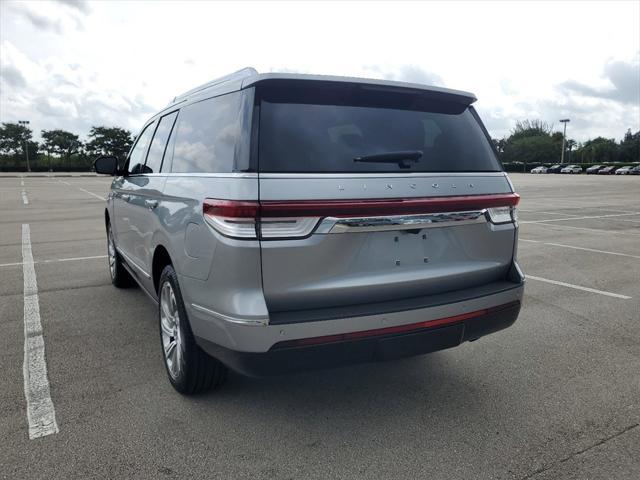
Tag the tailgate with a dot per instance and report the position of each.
(371, 193)
(411, 236)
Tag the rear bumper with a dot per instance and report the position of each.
(377, 345)
(248, 335)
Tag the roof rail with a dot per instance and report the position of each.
(242, 73)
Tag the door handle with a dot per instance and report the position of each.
(126, 197)
(151, 204)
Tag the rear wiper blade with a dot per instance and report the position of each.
(401, 158)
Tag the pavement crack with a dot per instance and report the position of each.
(579, 452)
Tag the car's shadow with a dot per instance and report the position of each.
(437, 384)
(379, 392)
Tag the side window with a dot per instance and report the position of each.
(158, 144)
(206, 135)
(136, 158)
(168, 152)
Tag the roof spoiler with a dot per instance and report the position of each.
(457, 96)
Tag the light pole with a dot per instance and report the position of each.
(26, 143)
(564, 138)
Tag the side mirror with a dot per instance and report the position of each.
(107, 165)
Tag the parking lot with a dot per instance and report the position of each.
(555, 396)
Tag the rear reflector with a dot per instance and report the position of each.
(412, 327)
(298, 218)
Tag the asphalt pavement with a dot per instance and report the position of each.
(556, 396)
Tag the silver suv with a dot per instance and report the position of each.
(286, 222)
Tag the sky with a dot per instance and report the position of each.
(75, 64)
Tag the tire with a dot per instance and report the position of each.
(189, 368)
(120, 278)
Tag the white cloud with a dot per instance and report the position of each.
(116, 61)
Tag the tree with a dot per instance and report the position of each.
(531, 128)
(499, 144)
(629, 150)
(533, 149)
(109, 141)
(13, 138)
(570, 145)
(599, 150)
(60, 142)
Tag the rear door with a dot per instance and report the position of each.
(371, 195)
(127, 203)
(148, 194)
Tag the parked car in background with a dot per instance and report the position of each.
(554, 169)
(624, 170)
(571, 169)
(540, 169)
(607, 171)
(594, 169)
(635, 170)
(286, 222)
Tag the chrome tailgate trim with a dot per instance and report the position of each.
(400, 222)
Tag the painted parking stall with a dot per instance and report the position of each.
(557, 389)
(41, 413)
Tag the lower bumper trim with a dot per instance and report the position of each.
(378, 332)
(369, 346)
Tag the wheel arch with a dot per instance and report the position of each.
(161, 259)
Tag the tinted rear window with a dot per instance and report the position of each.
(323, 130)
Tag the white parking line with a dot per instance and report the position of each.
(40, 411)
(91, 193)
(580, 248)
(582, 218)
(547, 212)
(54, 260)
(578, 287)
(85, 191)
(25, 199)
(595, 230)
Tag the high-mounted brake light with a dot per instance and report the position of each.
(279, 219)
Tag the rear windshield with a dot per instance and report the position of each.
(305, 130)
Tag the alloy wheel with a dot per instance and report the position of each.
(170, 329)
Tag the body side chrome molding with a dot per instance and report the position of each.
(132, 263)
(256, 322)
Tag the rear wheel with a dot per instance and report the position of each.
(189, 368)
(119, 275)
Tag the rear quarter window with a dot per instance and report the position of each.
(206, 135)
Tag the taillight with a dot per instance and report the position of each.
(231, 218)
(287, 227)
(244, 219)
(276, 219)
(499, 215)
